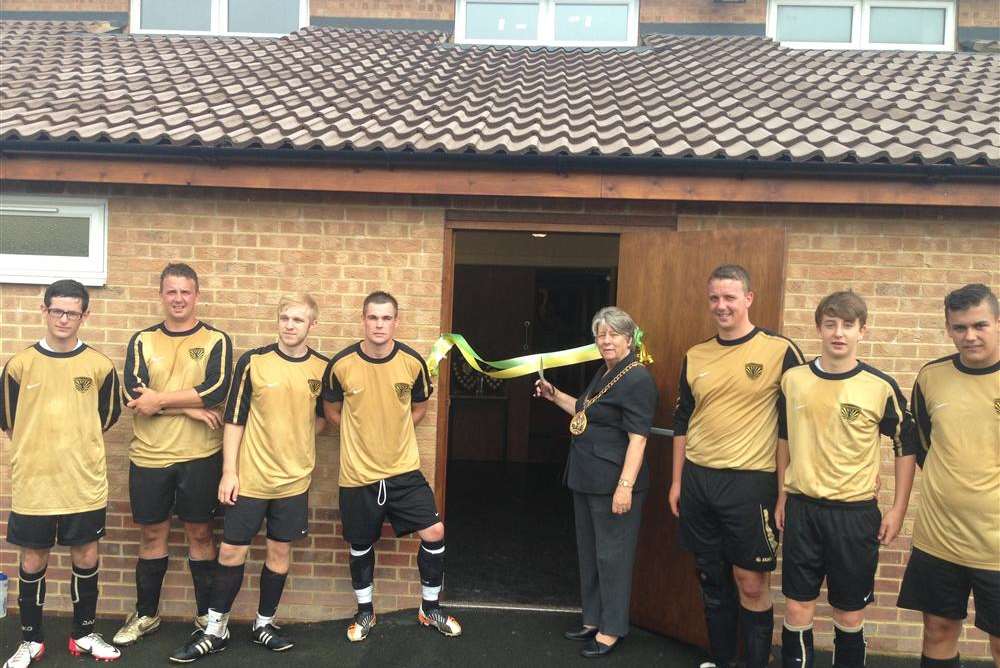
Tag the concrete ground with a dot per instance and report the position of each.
(492, 638)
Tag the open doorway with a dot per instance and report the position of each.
(517, 293)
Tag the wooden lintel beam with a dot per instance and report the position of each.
(430, 181)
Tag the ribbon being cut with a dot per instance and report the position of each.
(525, 364)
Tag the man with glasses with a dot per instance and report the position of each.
(176, 373)
(56, 400)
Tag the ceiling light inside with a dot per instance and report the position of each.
(539, 235)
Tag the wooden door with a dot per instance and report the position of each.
(663, 286)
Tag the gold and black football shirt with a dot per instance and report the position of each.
(200, 358)
(957, 412)
(834, 423)
(727, 403)
(58, 405)
(377, 437)
(277, 398)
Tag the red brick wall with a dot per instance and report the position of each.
(971, 13)
(250, 248)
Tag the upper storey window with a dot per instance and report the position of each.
(925, 25)
(219, 17)
(547, 22)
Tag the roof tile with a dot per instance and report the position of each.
(707, 97)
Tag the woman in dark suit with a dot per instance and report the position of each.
(608, 476)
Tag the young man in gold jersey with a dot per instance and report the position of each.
(56, 400)
(272, 417)
(833, 413)
(724, 485)
(377, 391)
(177, 373)
(956, 536)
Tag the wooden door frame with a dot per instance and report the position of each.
(507, 221)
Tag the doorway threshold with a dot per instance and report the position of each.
(519, 607)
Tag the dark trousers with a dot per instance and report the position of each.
(605, 543)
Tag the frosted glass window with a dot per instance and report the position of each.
(907, 25)
(176, 15)
(591, 23)
(501, 20)
(44, 235)
(802, 23)
(264, 16)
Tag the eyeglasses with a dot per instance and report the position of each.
(58, 314)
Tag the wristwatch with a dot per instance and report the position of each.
(625, 483)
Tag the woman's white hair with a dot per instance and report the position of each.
(616, 319)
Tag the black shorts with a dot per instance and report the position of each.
(940, 587)
(189, 489)
(40, 532)
(730, 512)
(836, 541)
(406, 499)
(287, 519)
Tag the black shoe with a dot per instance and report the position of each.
(595, 649)
(200, 645)
(268, 637)
(585, 633)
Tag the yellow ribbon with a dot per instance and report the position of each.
(525, 364)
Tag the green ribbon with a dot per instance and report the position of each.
(525, 364)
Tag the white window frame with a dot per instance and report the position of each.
(547, 24)
(44, 269)
(220, 20)
(861, 23)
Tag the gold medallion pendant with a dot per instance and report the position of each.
(578, 424)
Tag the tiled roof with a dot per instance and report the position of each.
(363, 90)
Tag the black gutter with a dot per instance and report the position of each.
(560, 164)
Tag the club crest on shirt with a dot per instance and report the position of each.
(314, 387)
(849, 412)
(402, 391)
(196, 353)
(82, 383)
(754, 370)
(996, 406)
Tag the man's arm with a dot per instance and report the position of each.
(210, 392)
(331, 410)
(780, 466)
(897, 424)
(418, 411)
(682, 415)
(9, 389)
(229, 485)
(109, 400)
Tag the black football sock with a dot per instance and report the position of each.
(363, 575)
(83, 592)
(756, 629)
(849, 647)
(31, 600)
(271, 586)
(202, 571)
(797, 646)
(430, 563)
(148, 584)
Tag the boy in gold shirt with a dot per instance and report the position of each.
(832, 416)
(272, 417)
(956, 536)
(56, 400)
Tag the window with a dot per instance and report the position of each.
(926, 25)
(44, 239)
(547, 22)
(219, 17)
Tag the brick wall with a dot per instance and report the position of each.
(250, 248)
(248, 252)
(903, 268)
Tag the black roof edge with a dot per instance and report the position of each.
(560, 164)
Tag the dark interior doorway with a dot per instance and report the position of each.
(509, 516)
